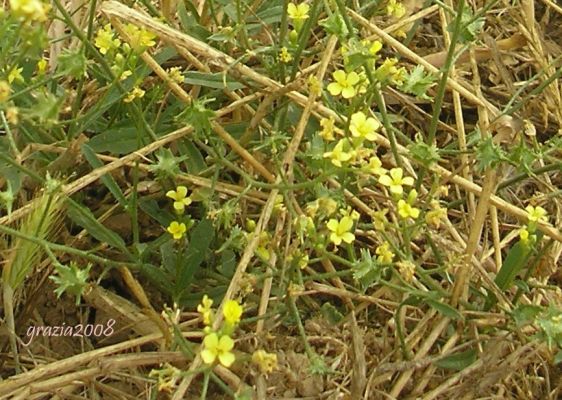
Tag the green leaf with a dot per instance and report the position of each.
(417, 82)
(84, 218)
(158, 277)
(189, 20)
(228, 263)
(47, 108)
(368, 271)
(558, 357)
(194, 161)
(523, 158)
(469, 30)
(167, 165)
(169, 256)
(335, 25)
(516, 258)
(72, 63)
(426, 154)
(443, 308)
(151, 207)
(117, 140)
(106, 179)
(458, 361)
(201, 239)
(216, 80)
(198, 115)
(71, 279)
(525, 314)
(489, 154)
(267, 15)
(331, 313)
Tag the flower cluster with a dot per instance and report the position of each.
(105, 40)
(218, 345)
(30, 10)
(181, 200)
(140, 39)
(535, 215)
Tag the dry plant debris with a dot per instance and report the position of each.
(269, 199)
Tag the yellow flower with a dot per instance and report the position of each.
(285, 56)
(180, 199)
(341, 230)
(298, 12)
(350, 212)
(398, 76)
(267, 362)
(303, 261)
(125, 74)
(232, 312)
(388, 70)
(41, 66)
(363, 127)
(375, 166)
(205, 310)
(385, 255)
(104, 40)
(218, 348)
(379, 219)
(327, 132)
(12, 115)
(337, 155)
(168, 377)
(395, 181)
(407, 269)
(395, 9)
(5, 91)
(137, 92)
(33, 10)
(536, 214)
(177, 230)
(406, 210)
(15, 75)
(524, 235)
(325, 206)
(176, 75)
(262, 250)
(436, 215)
(314, 85)
(375, 47)
(139, 38)
(344, 84)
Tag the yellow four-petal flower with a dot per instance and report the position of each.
(215, 347)
(341, 230)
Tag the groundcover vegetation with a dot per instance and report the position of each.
(265, 199)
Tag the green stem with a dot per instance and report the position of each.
(206, 376)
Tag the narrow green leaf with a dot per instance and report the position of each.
(515, 260)
(201, 239)
(443, 308)
(558, 357)
(194, 161)
(117, 140)
(151, 207)
(84, 217)
(106, 179)
(228, 263)
(157, 276)
(458, 361)
(213, 80)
